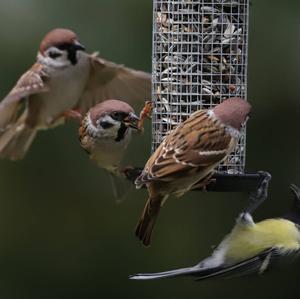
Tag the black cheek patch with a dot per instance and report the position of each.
(121, 133)
(106, 124)
(54, 55)
(72, 56)
(71, 49)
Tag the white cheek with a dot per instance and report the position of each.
(62, 61)
(109, 132)
(59, 62)
(63, 58)
(108, 119)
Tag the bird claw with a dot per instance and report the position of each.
(124, 171)
(133, 173)
(260, 195)
(204, 182)
(130, 172)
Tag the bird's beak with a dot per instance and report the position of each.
(79, 46)
(131, 121)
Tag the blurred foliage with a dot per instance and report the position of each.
(61, 233)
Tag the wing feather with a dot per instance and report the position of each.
(256, 264)
(113, 81)
(198, 142)
(31, 82)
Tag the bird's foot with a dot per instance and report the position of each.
(201, 185)
(257, 197)
(130, 172)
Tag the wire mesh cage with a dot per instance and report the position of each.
(199, 59)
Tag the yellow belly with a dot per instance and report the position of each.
(246, 241)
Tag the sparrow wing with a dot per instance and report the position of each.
(32, 82)
(113, 81)
(197, 143)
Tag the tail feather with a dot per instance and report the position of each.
(147, 221)
(198, 272)
(209, 269)
(167, 274)
(16, 140)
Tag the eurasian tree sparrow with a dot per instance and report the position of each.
(63, 78)
(187, 157)
(105, 133)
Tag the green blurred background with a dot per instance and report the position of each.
(61, 233)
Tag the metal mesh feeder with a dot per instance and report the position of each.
(200, 59)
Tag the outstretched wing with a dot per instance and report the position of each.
(113, 81)
(32, 82)
(199, 142)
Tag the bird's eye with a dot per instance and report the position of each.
(54, 55)
(117, 115)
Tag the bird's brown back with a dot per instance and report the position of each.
(188, 146)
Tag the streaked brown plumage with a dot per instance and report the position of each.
(187, 156)
(63, 78)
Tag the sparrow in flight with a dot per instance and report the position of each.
(64, 81)
(105, 133)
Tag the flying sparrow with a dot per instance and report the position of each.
(105, 133)
(188, 156)
(64, 78)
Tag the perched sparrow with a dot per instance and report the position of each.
(63, 78)
(187, 157)
(249, 248)
(105, 133)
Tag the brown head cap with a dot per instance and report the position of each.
(233, 112)
(108, 107)
(57, 37)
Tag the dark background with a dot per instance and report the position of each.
(61, 233)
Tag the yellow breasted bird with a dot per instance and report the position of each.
(249, 248)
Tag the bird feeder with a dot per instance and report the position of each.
(199, 59)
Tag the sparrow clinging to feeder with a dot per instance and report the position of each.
(187, 157)
(63, 78)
